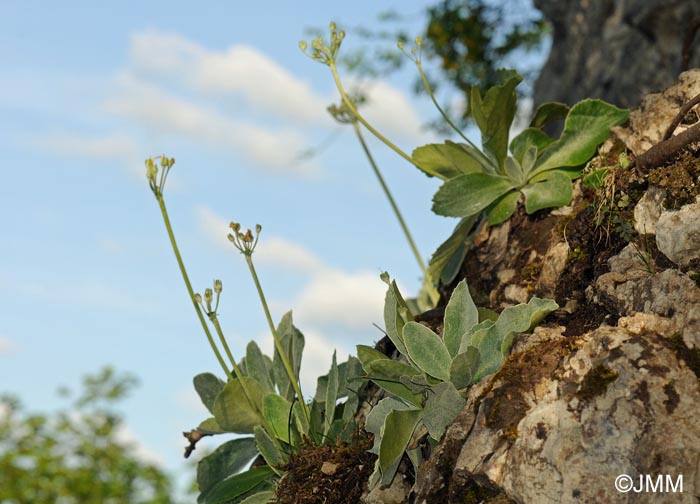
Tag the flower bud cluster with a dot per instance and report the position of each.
(244, 241)
(322, 52)
(158, 183)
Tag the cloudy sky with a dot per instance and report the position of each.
(87, 277)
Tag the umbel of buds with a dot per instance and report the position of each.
(156, 183)
(245, 242)
(206, 302)
(320, 51)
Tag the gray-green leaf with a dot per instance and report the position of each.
(399, 426)
(208, 387)
(233, 411)
(460, 315)
(554, 190)
(467, 195)
(441, 408)
(427, 350)
(445, 160)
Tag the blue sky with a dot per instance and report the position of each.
(87, 278)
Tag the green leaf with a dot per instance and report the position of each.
(502, 209)
(302, 423)
(494, 114)
(269, 449)
(427, 350)
(260, 498)
(374, 423)
(445, 160)
(468, 195)
(441, 408)
(331, 395)
(474, 335)
(278, 413)
(399, 426)
(228, 459)
(210, 426)
(595, 179)
(494, 343)
(293, 342)
(237, 485)
(257, 367)
(352, 386)
(367, 354)
(548, 112)
(387, 374)
(528, 138)
(587, 126)
(464, 367)
(232, 410)
(208, 387)
(555, 190)
(393, 320)
(448, 258)
(460, 316)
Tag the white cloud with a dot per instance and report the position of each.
(124, 435)
(333, 296)
(107, 147)
(7, 346)
(239, 70)
(153, 108)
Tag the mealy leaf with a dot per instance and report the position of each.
(494, 114)
(260, 498)
(464, 368)
(387, 374)
(367, 354)
(293, 342)
(502, 209)
(331, 395)
(233, 411)
(445, 160)
(210, 426)
(441, 408)
(468, 195)
(237, 485)
(374, 423)
(257, 367)
(529, 137)
(474, 335)
(548, 112)
(399, 426)
(269, 449)
(208, 387)
(460, 316)
(278, 413)
(448, 258)
(427, 350)
(228, 459)
(587, 126)
(393, 320)
(554, 191)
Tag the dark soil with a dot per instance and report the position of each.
(327, 474)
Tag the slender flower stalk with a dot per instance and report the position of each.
(415, 56)
(392, 202)
(185, 277)
(245, 243)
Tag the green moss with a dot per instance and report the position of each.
(596, 382)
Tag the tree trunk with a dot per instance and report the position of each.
(617, 50)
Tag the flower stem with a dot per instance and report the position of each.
(392, 202)
(444, 115)
(185, 277)
(278, 343)
(351, 107)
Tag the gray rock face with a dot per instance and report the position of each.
(678, 234)
(648, 210)
(617, 50)
(564, 418)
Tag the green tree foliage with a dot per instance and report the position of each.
(76, 454)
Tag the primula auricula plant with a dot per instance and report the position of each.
(487, 184)
(261, 397)
(426, 392)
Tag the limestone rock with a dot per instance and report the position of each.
(562, 419)
(648, 210)
(678, 234)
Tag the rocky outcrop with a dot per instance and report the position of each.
(617, 50)
(611, 385)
